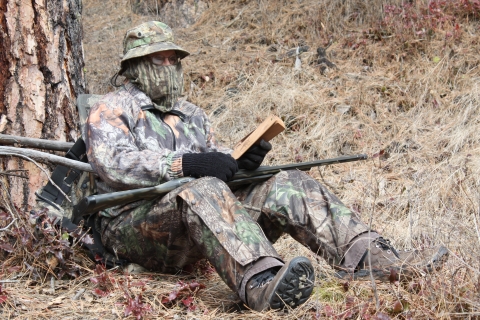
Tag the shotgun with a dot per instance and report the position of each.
(97, 202)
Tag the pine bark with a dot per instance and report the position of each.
(41, 74)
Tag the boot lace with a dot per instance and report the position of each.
(384, 244)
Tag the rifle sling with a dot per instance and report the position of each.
(64, 176)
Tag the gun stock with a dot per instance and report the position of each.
(98, 202)
(95, 203)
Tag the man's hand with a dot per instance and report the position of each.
(252, 159)
(212, 164)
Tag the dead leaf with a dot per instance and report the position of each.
(57, 300)
(397, 307)
(52, 262)
(88, 297)
(7, 247)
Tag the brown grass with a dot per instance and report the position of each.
(410, 103)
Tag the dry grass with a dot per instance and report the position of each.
(410, 103)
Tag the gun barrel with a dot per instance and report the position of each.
(95, 203)
(264, 170)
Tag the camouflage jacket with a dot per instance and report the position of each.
(131, 145)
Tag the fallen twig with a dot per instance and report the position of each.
(35, 143)
(78, 294)
(45, 157)
(5, 228)
(370, 221)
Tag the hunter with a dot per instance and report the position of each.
(144, 134)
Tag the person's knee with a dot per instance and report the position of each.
(293, 174)
(211, 181)
(208, 183)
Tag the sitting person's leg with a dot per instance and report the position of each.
(151, 234)
(203, 219)
(293, 202)
(237, 247)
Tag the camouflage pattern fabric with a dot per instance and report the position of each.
(147, 38)
(131, 148)
(293, 202)
(201, 219)
(163, 85)
(205, 219)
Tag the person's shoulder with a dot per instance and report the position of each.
(115, 98)
(189, 109)
(127, 100)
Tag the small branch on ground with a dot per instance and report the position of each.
(6, 228)
(370, 220)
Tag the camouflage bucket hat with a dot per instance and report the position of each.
(150, 37)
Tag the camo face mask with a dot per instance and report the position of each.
(163, 84)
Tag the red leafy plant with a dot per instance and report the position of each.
(134, 304)
(409, 24)
(3, 295)
(103, 280)
(184, 292)
(136, 307)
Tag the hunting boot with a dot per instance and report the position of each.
(387, 264)
(276, 288)
(426, 260)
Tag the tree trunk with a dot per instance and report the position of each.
(41, 74)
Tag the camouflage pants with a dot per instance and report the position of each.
(204, 219)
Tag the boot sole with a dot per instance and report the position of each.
(295, 285)
(407, 271)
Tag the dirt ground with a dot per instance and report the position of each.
(405, 92)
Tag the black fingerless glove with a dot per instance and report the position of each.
(212, 164)
(252, 159)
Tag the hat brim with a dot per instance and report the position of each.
(154, 47)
